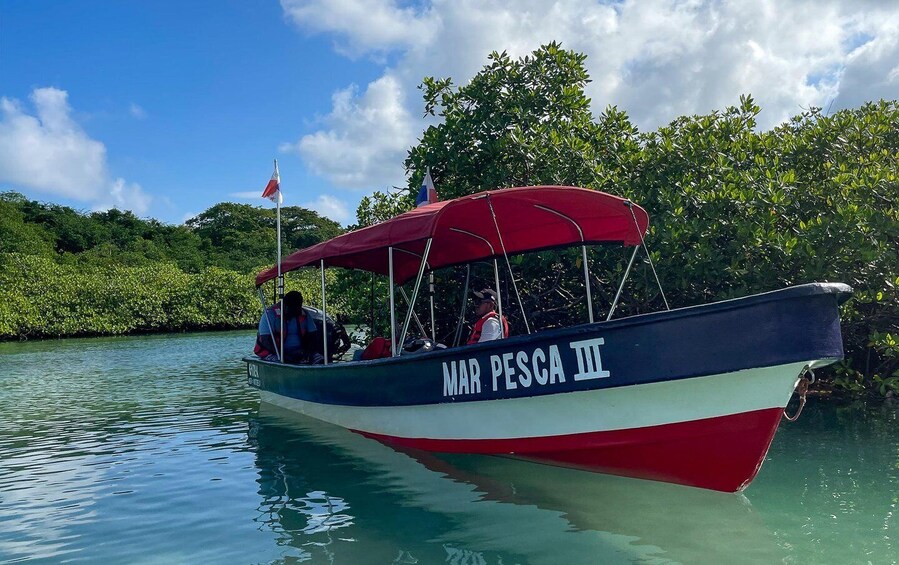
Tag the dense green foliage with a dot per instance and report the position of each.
(816, 199)
(232, 236)
(44, 297)
(734, 211)
(240, 236)
(65, 273)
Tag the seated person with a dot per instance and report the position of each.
(299, 333)
(488, 325)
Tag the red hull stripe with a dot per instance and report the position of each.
(722, 453)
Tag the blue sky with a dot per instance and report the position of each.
(167, 108)
(190, 99)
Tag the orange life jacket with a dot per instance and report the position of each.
(479, 327)
(259, 349)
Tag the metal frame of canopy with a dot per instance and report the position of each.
(507, 219)
(612, 219)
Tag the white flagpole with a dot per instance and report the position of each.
(280, 275)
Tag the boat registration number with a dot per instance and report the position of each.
(253, 376)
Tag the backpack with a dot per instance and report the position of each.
(377, 349)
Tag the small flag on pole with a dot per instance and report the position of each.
(273, 188)
(427, 194)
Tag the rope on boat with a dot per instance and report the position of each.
(802, 389)
(630, 206)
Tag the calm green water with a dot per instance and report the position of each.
(153, 450)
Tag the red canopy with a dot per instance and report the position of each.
(463, 231)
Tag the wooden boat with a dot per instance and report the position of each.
(691, 396)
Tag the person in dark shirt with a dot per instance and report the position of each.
(298, 332)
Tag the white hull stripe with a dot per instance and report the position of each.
(619, 408)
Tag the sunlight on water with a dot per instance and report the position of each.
(153, 450)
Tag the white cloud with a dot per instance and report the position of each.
(326, 205)
(655, 59)
(366, 137)
(188, 215)
(137, 111)
(366, 24)
(49, 152)
(330, 207)
(125, 196)
(872, 71)
(247, 195)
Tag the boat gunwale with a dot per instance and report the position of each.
(842, 290)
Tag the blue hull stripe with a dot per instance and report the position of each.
(796, 324)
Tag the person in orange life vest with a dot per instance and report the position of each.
(298, 332)
(488, 325)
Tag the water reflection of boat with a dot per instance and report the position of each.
(476, 509)
(690, 396)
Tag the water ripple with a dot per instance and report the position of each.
(154, 450)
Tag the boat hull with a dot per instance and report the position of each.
(692, 396)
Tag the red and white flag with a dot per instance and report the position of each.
(273, 188)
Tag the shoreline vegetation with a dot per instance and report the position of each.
(64, 273)
(733, 211)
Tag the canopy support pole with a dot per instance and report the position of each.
(468, 275)
(268, 322)
(630, 206)
(587, 282)
(458, 335)
(499, 295)
(324, 315)
(476, 236)
(415, 317)
(371, 325)
(502, 246)
(392, 313)
(421, 273)
(433, 319)
(583, 255)
(621, 286)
